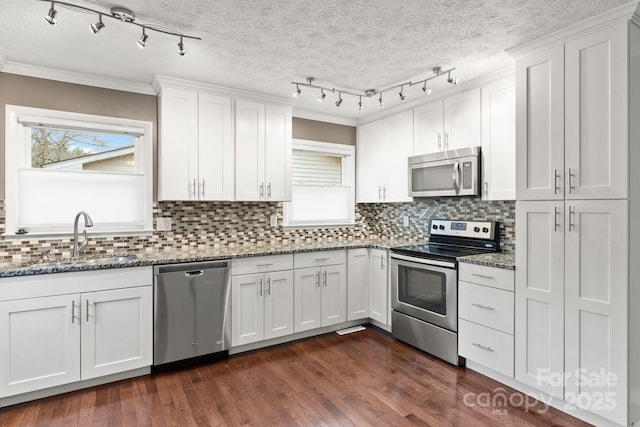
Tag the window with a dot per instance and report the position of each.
(59, 163)
(322, 191)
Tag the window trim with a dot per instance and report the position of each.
(348, 179)
(18, 122)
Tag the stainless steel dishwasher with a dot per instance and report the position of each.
(191, 313)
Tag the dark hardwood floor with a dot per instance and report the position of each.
(360, 379)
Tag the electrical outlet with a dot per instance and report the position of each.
(273, 220)
(163, 224)
(405, 221)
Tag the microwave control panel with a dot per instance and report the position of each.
(476, 229)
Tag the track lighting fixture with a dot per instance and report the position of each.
(95, 28)
(369, 93)
(322, 96)
(51, 16)
(121, 14)
(143, 39)
(452, 80)
(297, 92)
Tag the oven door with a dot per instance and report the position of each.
(425, 289)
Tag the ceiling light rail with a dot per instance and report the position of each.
(121, 14)
(437, 72)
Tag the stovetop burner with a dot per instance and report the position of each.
(437, 251)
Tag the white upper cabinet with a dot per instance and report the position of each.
(454, 122)
(596, 115)
(263, 151)
(195, 156)
(382, 151)
(499, 140)
(572, 120)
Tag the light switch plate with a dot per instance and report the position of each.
(163, 224)
(405, 221)
(273, 221)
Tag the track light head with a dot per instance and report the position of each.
(339, 101)
(95, 28)
(297, 92)
(401, 93)
(51, 16)
(181, 50)
(143, 39)
(452, 80)
(360, 104)
(426, 89)
(380, 102)
(322, 96)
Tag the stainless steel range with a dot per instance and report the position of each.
(424, 284)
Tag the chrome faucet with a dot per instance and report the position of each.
(87, 223)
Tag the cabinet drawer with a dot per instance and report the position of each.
(489, 276)
(487, 306)
(317, 259)
(263, 264)
(486, 346)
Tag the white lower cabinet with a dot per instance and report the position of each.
(358, 284)
(262, 302)
(320, 289)
(486, 316)
(70, 336)
(379, 302)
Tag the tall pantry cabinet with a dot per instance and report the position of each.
(578, 104)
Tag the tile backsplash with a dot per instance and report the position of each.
(199, 225)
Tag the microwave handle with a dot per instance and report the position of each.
(456, 175)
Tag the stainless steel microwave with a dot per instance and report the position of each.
(446, 173)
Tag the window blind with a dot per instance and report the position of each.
(316, 169)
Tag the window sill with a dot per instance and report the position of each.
(315, 225)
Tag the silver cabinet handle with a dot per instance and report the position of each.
(263, 265)
(203, 188)
(325, 278)
(446, 140)
(486, 307)
(483, 347)
(73, 311)
(87, 311)
(384, 192)
(486, 188)
(439, 141)
(556, 216)
(261, 190)
(381, 262)
(322, 259)
(379, 192)
(269, 190)
(572, 214)
(317, 279)
(483, 276)
(268, 285)
(193, 188)
(556, 179)
(260, 289)
(571, 187)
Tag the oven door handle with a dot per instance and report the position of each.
(423, 261)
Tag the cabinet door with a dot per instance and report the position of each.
(358, 284)
(499, 140)
(307, 299)
(462, 120)
(596, 115)
(215, 148)
(378, 309)
(597, 305)
(428, 120)
(540, 125)
(278, 304)
(398, 134)
(334, 294)
(278, 148)
(370, 155)
(247, 309)
(250, 151)
(178, 145)
(539, 296)
(40, 343)
(117, 331)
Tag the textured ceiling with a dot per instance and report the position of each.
(262, 45)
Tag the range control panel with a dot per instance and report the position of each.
(475, 229)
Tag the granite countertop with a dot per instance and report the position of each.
(192, 255)
(498, 259)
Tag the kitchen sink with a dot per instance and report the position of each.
(56, 264)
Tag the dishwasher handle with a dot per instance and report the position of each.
(191, 267)
(194, 273)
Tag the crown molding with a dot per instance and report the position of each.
(161, 81)
(498, 74)
(76, 78)
(321, 117)
(626, 12)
